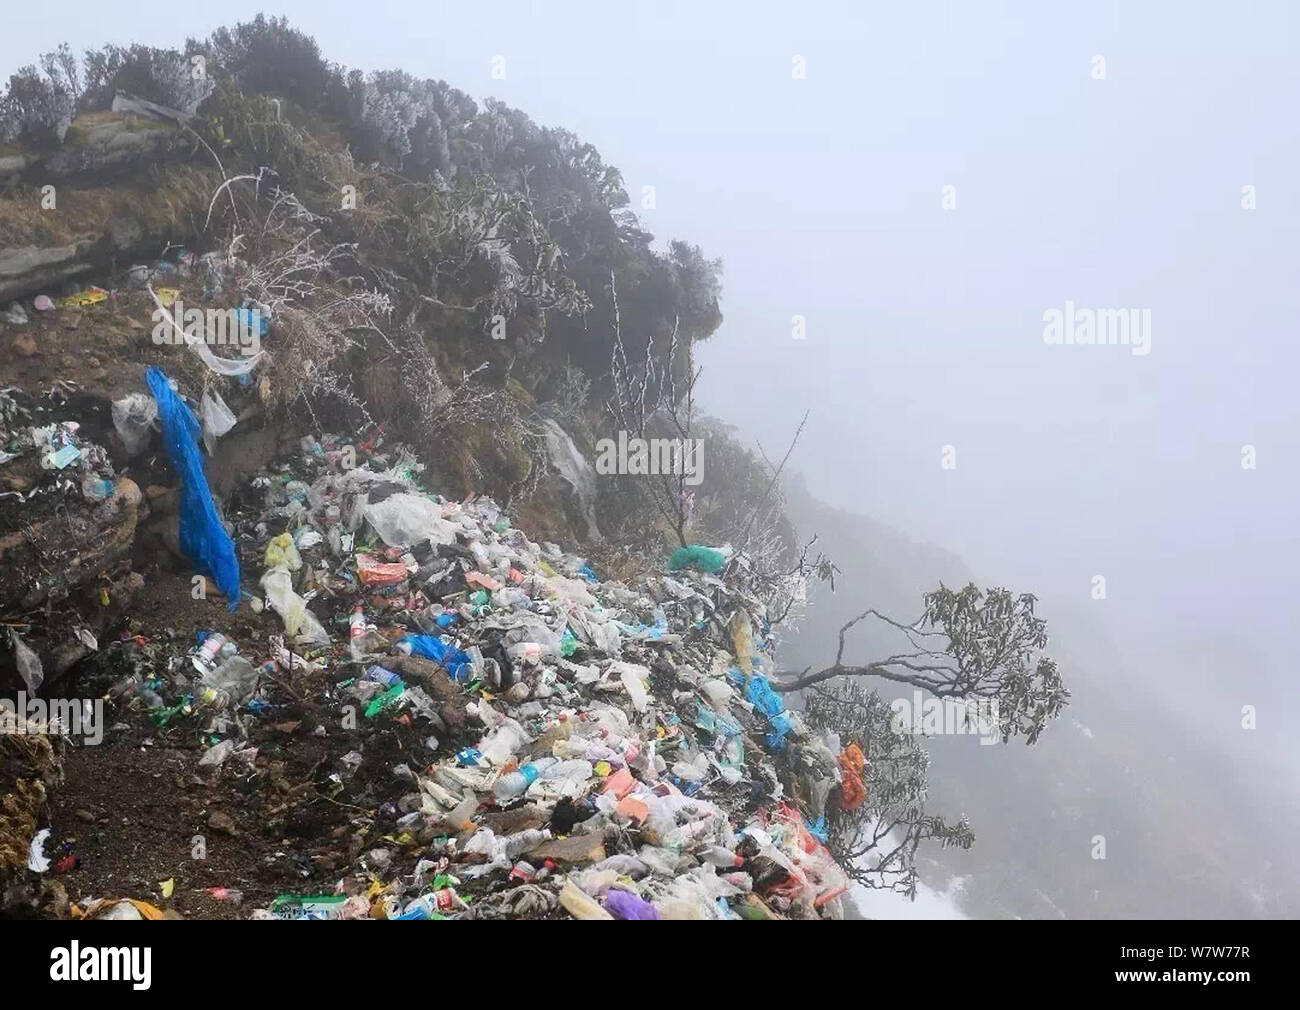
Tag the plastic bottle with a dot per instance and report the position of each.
(517, 844)
(356, 632)
(718, 856)
(206, 658)
(212, 698)
(124, 688)
(524, 872)
(235, 677)
(381, 676)
(514, 784)
(423, 907)
(588, 751)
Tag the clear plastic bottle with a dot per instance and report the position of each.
(718, 856)
(515, 783)
(123, 689)
(234, 679)
(517, 844)
(356, 632)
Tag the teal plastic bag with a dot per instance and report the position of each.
(702, 559)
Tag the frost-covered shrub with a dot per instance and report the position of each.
(164, 76)
(400, 121)
(36, 107)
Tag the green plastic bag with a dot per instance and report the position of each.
(386, 699)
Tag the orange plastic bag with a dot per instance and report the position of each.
(853, 763)
(374, 572)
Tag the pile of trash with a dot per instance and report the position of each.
(72, 462)
(550, 744)
(67, 518)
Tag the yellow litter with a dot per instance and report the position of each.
(91, 296)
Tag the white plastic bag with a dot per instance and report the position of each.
(406, 519)
(633, 676)
(132, 417)
(29, 664)
(217, 418)
(299, 622)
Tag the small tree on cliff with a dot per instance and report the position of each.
(981, 649)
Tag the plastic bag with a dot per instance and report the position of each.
(374, 572)
(719, 693)
(456, 663)
(703, 559)
(767, 701)
(217, 419)
(132, 417)
(742, 640)
(406, 519)
(282, 552)
(626, 905)
(852, 762)
(633, 677)
(29, 664)
(202, 536)
(216, 755)
(504, 742)
(580, 904)
(222, 366)
(299, 622)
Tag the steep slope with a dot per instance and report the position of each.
(1182, 837)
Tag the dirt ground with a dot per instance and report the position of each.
(135, 810)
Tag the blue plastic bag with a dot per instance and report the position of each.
(450, 658)
(771, 704)
(775, 739)
(203, 539)
(760, 692)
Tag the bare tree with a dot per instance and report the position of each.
(646, 402)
